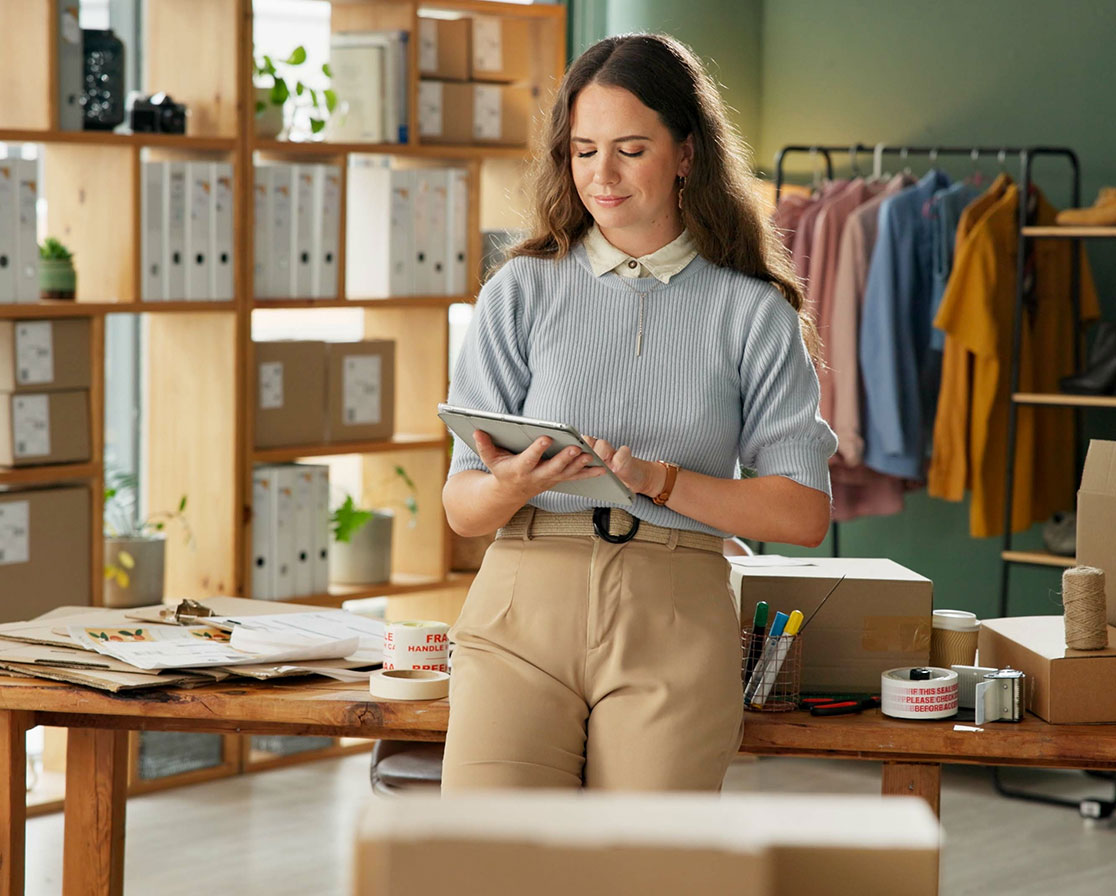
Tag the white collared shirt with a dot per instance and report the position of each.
(662, 264)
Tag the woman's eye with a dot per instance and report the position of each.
(632, 155)
(586, 154)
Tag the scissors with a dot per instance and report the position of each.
(838, 706)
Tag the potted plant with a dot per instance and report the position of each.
(57, 277)
(361, 550)
(134, 549)
(273, 93)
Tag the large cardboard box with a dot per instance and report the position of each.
(44, 551)
(445, 49)
(501, 49)
(1096, 517)
(1064, 686)
(44, 355)
(44, 428)
(550, 843)
(361, 390)
(289, 382)
(878, 618)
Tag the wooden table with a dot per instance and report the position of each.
(912, 753)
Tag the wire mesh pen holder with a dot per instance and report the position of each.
(773, 682)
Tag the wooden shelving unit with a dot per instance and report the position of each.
(199, 432)
(1037, 558)
(1065, 400)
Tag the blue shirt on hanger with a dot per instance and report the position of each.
(895, 331)
(945, 211)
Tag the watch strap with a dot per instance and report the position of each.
(668, 486)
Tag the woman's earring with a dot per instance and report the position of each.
(681, 189)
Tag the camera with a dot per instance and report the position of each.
(157, 114)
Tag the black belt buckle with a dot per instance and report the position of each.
(602, 517)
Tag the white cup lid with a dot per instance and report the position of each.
(956, 620)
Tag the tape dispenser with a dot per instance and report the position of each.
(994, 695)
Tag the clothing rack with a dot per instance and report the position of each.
(1026, 157)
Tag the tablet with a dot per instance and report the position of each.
(516, 434)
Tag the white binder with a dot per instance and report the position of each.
(327, 230)
(27, 246)
(302, 580)
(174, 229)
(302, 233)
(378, 247)
(283, 530)
(199, 197)
(358, 61)
(320, 577)
(263, 515)
(430, 230)
(457, 232)
(221, 233)
(280, 208)
(153, 287)
(261, 227)
(8, 220)
(71, 67)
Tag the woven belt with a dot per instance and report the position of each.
(530, 522)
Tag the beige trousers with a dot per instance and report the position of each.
(584, 663)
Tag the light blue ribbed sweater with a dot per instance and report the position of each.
(722, 373)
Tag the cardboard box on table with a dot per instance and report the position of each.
(289, 384)
(1064, 686)
(44, 550)
(1096, 517)
(877, 619)
(555, 843)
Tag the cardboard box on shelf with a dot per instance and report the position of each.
(552, 843)
(1064, 686)
(361, 383)
(502, 114)
(445, 49)
(44, 551)
(878, 618)
(44, 355)
(289, 382)
(1096, 517)
(445, 112)
(44, 428)
(501, 49)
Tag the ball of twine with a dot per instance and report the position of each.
(1083, 600)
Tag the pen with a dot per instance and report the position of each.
(775, 661)
(773, 634)
(759, 629)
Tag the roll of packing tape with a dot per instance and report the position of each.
(408, 684)
(926, 693)
(416, 645)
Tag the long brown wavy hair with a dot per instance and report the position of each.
(720, 208)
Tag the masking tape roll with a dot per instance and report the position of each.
(934, 697)
(408, 684)
(416, 644)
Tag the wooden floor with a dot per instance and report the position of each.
(289, 832)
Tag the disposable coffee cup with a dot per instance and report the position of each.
(953, 638)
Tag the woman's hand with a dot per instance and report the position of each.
(644, 477)
(527, 474)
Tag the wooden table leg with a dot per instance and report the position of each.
(922, 779)
(13, 798)
(96, 782)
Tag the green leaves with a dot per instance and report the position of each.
(52, 248)
(346, 519)
(297, 57)
(317, 104)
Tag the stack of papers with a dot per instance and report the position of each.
(119, 650)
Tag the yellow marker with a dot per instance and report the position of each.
(794, 623)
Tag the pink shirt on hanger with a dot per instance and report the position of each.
(803, 245)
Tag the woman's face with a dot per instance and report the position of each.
(624, 163)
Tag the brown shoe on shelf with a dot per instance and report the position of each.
(1101, 213)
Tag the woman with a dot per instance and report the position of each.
(654, 309)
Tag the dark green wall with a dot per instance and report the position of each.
(995, 72)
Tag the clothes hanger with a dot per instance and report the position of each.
(854, 166)
(976, 178)
(877, 161)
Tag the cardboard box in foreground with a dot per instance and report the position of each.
(877, 619)
(597, 844)
(1096, 517)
